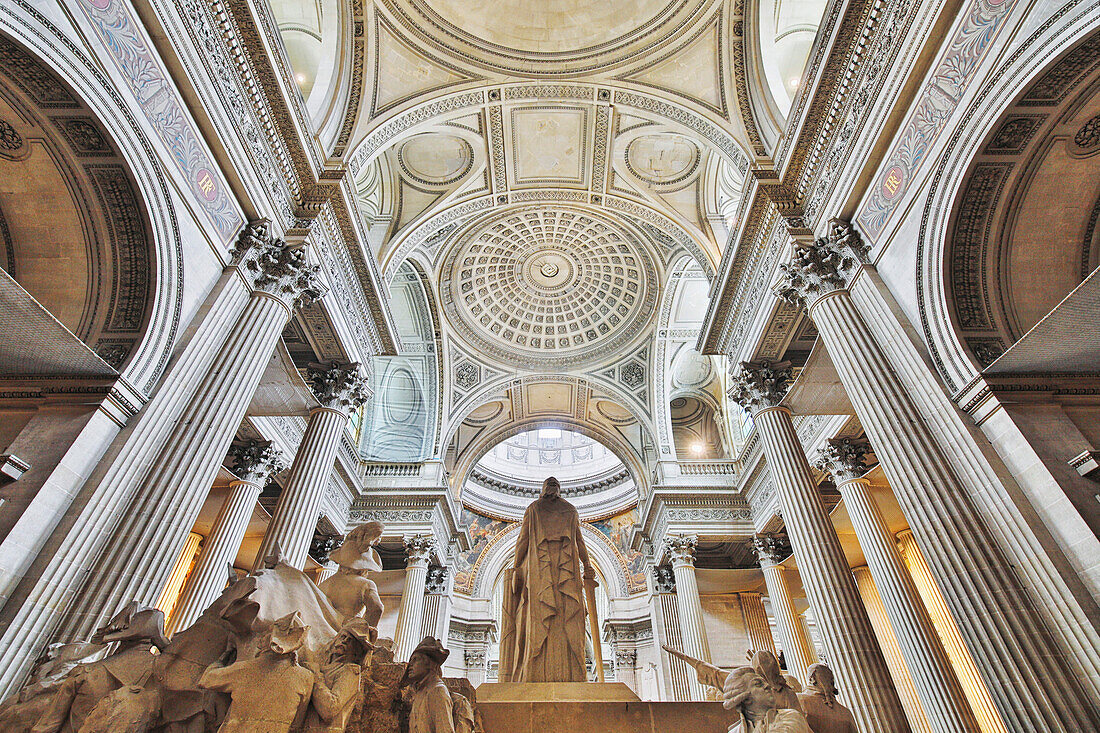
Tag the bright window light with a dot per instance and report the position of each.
(549, 434)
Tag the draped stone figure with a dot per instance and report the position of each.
(543, 637)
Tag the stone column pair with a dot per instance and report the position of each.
(137, 560)
(341, 389)
(845, 629)
(1027, 672)
(799, 655)
(689, 607)
(410, 616)
(254, 464)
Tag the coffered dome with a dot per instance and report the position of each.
(548, 287)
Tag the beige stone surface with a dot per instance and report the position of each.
(511, 692)
(604, 716)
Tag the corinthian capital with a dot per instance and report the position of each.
(770, 549)
(842, 459)
(757, 385)
(823, 267)
(418, 549)
(256, 462)
(682, 549)
(272, 266)
(341, 386)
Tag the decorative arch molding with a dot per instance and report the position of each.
(1070, 37)
(689, 119)
(496, 555)
(488, 440)
(438, 232)
(59, 58)
(498, 387)
(431, 298)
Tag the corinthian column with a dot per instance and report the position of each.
(756, 623)
(418, 551)
(989, 721)
(137, 560)
(1028, 673)
(845, 629)
(341, 389)
(770, 551)
(938, 689)
(888, 643)
(254, 464)
(693, 635)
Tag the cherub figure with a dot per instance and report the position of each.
(349, 590)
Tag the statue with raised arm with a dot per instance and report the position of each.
(542, 638)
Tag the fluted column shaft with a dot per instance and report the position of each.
(930, 670)
(1028, 674)
(169, 597)
(756, 623)
(796, 645)
(209, 577)
(410, 616)
(295, 518)
(689, 608)
(842, 621)
(888, 643)
(138, 560)
(989, 720)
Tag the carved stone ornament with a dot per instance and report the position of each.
(339, 385)
(758, 385)
(823, 267)
(842, 459)
(682, 549)
(257, 461)
(475, 658)
(626, 658)
(664, 581)
(437, 580)
(418, 548)
(770, 549)
(275, 267)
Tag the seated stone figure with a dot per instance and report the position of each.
(349, 590)
(824, 713)
(749, 693)
(336, 685)
(434, 708)
(270, 691)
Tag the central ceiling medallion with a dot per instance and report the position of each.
(549, 288)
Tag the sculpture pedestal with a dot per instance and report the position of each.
(583, 707)
(555, 692)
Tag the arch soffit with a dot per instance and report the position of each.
(484, 442)
(1071, 40)
(499, 388)
(52, 50)
(503, 546)
(427, 293)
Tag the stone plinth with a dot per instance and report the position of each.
(555, 692)
(603, 716)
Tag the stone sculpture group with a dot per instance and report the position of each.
(275, 653)
(768, 701)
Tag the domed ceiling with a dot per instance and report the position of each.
(547, 36)
(549, 287)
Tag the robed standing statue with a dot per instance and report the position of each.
(543, 635)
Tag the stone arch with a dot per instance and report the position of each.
(985, 193)
(131, 317)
